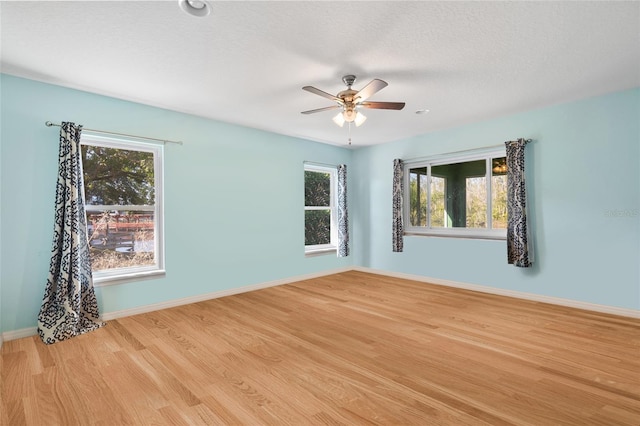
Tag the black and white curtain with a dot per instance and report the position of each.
(69, 307)
(397, 225)
(343, 216)
(519, 251)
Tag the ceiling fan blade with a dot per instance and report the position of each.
(374, 86)
(322, 93)
(311, 111)
(382, 105)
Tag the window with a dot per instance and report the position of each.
(320, 233)
(123, 204)
(458, 196)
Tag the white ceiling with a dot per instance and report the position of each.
(246, 62)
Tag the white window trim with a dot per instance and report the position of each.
(122, 275)
(332, 247)
(472, 233)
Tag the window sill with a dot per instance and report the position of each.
(487, 235)
(106, 280)
(320, 252)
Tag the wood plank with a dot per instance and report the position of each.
(351, 348)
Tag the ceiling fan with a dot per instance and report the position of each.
(351, 100)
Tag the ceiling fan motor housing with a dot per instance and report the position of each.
(348, 96)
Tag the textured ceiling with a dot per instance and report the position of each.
(246, 62)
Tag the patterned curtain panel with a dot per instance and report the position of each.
(343, 216)
(69, 307)
(397, 226)
(518, 243)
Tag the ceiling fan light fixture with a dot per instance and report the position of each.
(339, 119)
(195, 7)
(349, 114)
(360, 118)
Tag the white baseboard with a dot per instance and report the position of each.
(19, 334)
(31, 331)
(625, 312)
(216, 294)
(106, 316)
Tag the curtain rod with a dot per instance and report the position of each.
(49, 124)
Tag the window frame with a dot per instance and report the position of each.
(488, 233)
(314, 249)
(135, 273)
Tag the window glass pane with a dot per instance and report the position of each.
(464, 192)
(317, 227)
(418, 196)
(120, 238)
(499, 193)
(114, 176)
(476, 214)
(438, 189)
(317, 189)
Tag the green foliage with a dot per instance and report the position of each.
(476, 202)
(317, 189)
(317, 227)
(499, 202)
(417, 203)
(317, 193)
(117, 176)
(437, 202)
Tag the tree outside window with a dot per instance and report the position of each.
(319, 212)
(122, 183)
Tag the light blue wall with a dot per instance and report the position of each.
(1, 179)
(233, 199)
(584, 190)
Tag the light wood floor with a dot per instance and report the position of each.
(351, 349)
